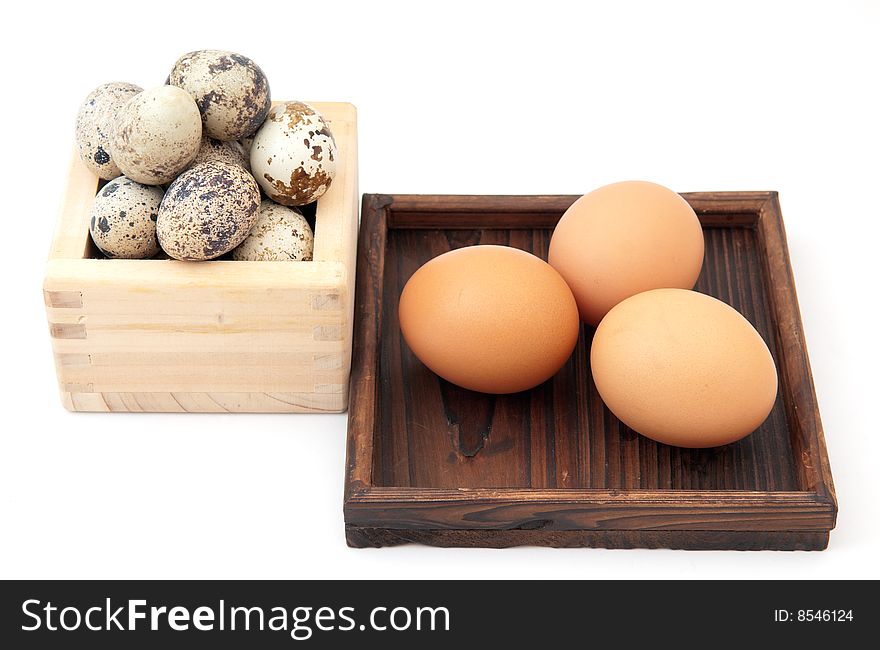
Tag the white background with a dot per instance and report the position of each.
(536, 97)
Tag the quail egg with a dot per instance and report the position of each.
(93, 123)
(280, 234)
(123, 222)
(156, 135)
(229, 151)
(231, 91)
(293, 156)
(207, 211)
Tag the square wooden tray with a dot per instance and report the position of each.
(435, 464)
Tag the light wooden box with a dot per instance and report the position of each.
(217, 336)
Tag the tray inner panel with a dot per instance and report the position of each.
(431, 433)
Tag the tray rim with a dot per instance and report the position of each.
(367, 506)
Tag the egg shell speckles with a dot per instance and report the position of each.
(294, 156)
(230, 152)
(123, 223)
(207, 211)
(93, 124)
(280, 234)
(231, 91)
(156, 135)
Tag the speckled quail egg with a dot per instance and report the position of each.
(217, 150)
(93, 122)
(124, 217)
(156, 135)
(231, 91)
(207, 211)
(293, 156)
(280, 234)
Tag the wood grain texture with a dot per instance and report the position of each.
(426, 455)
(182, 402)
(693, 540)
(591, 509)
(228, 336)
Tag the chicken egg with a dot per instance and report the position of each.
(625, 238)
(493, 319)
(683, 368)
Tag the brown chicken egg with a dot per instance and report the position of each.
(625, 238)
(489, 318)
(683, 368)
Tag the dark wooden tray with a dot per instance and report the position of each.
(435, 464)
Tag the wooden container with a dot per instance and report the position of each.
(432, 463)
(223, 335)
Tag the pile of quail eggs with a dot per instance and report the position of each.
(204, 166)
